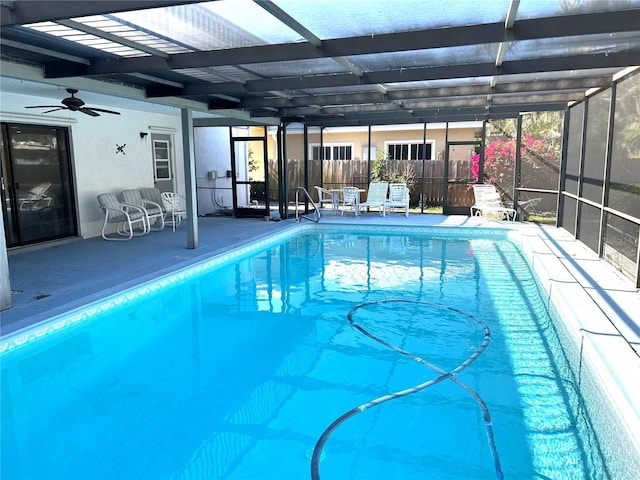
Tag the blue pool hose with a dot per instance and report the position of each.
(451, 375)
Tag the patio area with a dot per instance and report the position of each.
(51, 279)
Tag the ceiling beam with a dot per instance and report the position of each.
(20, 12)
(289, 21)
(96, 32)
(43, 51)
(503, 46)
(417, 93)
(341, 47)
(438, 103)
(429, 116)
(539, 28)
(34, 74)
(399, 75)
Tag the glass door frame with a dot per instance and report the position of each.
(239, 208)
(447, 209)
(38, 197)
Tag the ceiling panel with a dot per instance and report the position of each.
(340, 18)
(570, 46)
(330, 61)
(431, 57)
(528, 9)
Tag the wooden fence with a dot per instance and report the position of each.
(340, 173)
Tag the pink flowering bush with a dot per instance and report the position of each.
(539, 168)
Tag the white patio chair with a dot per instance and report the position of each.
(153, 195)
(489, 203)
(176, 206)
(376, 197)
(153, 211)
(327, 197)
(350, 198)
(36, 198)
(398, 197)
(124, 217)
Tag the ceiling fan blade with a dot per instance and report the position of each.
(89, 111)
(54, 110)
(102, 110)
(44, 106)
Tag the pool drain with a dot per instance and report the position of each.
(318, 451)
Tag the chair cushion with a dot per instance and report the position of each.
(152, 194)
(131, 196)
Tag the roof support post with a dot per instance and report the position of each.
(424, 158)
(517, 168)
(5, 285)
(560, 220)
(606, 180)
(282, 174)
(369, 154)
(445, 176)
(189, 164)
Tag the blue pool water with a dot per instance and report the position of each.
(235, 371)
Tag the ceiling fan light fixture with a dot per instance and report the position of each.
(74, 104)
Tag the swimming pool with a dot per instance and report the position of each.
(235, 368)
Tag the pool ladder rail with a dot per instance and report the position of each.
(300, 216)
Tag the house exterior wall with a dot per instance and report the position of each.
(212, 154)
(380, 135)
(97, 167)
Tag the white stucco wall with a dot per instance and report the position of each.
(213, 152)
(96, 165)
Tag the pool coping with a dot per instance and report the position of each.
(599, 343)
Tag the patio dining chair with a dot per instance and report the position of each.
(376, 197)
(175, 205)
(327, 197)
(350, 198)
(154, 213)
(126, 218)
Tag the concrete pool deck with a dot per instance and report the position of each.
(51, 279)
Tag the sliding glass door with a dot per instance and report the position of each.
(37, 194)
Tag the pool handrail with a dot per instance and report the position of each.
(300, 216)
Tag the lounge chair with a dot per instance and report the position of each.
(350, 198)
(36, 198)
(153, 211)
(527, 207)
(376, 197)
(175, 205)
(489, 203)
(124, 217)
(398, 197)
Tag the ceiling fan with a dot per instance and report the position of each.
(74, 104)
